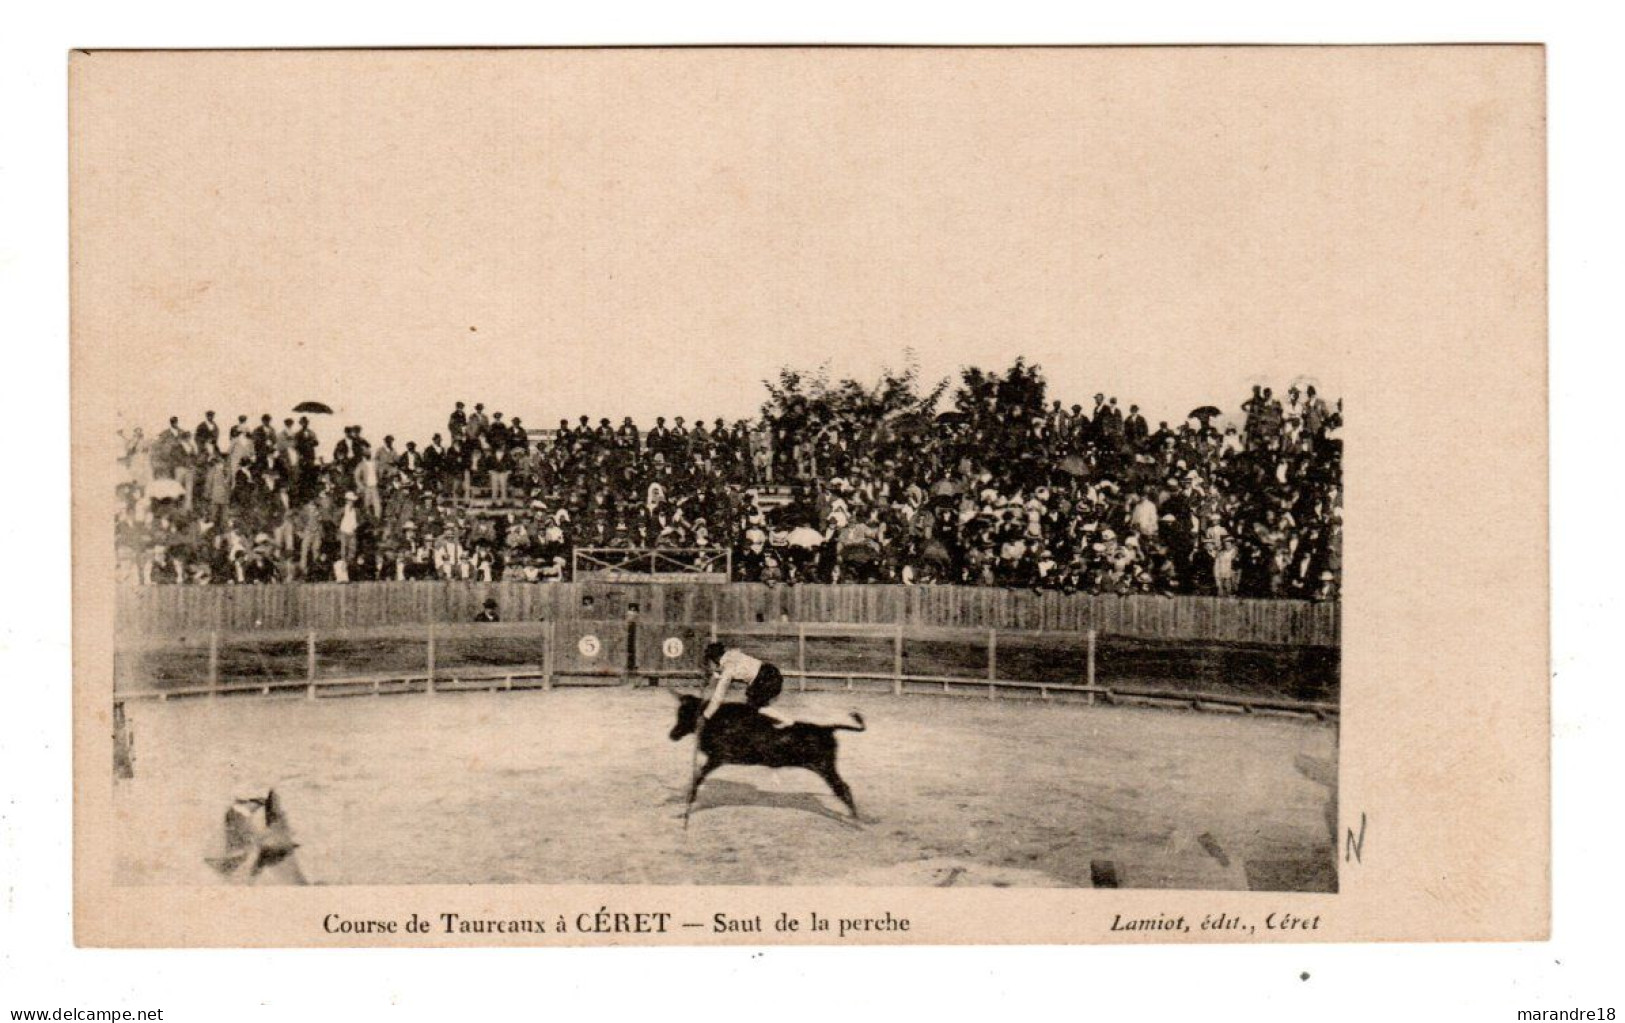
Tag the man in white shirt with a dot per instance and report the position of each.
(1143, 514)
(763, 682)
(366, 478)
(347, 528)
(1225, 573)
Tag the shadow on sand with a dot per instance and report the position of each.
(717, 793)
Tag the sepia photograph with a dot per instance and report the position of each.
(850, 470)
(1050, 644)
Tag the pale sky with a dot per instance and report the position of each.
(653, 232)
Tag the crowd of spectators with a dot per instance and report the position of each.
(999, 492)
(259, 503)
(1090, 500)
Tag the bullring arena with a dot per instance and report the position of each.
(1013, 739)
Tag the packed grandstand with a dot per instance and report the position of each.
(832, 482)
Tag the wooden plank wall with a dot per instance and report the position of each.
(157, 611)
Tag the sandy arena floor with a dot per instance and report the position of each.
(574, 786)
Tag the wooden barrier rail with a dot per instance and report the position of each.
(553, 670)
(165, 611)
(533, 677)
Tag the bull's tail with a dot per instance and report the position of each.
(859, 727)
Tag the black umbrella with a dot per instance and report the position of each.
(953, 418)
(313, 406)
(1206, 412)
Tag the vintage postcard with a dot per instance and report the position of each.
(809, 495)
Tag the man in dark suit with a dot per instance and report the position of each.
(265, 438)
(1095, 420)
(1135, 430)
(410, 464)
(305, 443)
(1254, 409)
(659, 437)
(344, 452)
(627, 436)
(434, 463)
(207, 435)
(496, 435)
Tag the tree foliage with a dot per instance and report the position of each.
(1014, 396)
(812, 396)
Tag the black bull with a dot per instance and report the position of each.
(736, 734)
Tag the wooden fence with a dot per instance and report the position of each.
(159, 611)
(897, 659)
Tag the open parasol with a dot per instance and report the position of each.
(804, 536)
(935, 553)
(165, 490)
(313, 407)
(1206, 412)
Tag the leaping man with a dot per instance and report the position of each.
(763, 682)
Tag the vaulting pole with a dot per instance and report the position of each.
(694, 767)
